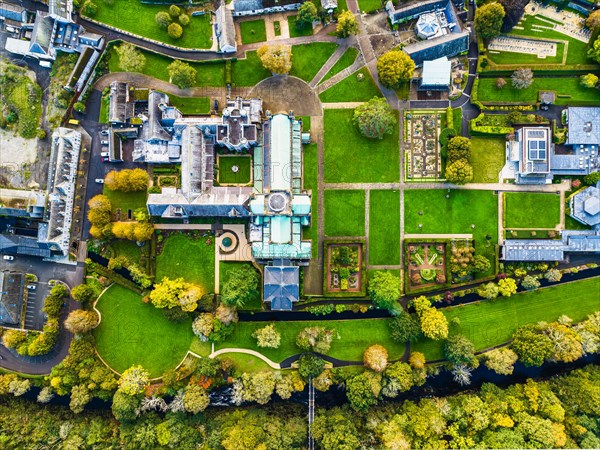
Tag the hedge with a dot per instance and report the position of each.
(449, 117)
(113, 276)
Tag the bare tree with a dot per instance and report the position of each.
(522, 78)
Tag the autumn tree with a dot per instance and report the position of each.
(590, 80)
(417, 360)
(566, 343)
(488, 291)
(134, 380)
(459, 148)
(258, 387)
(241, 286)
(434, 324)
(307, 14)
(500, 83)
(394, 68)
(99, 215)
(181, 74)
(175, 30)
(404, 328)
(80, 396)
(277, 59)
(267, 337)
(83, 293)
(384, 289)
(127, 180)
(176, 293)
(131, 59)
(501, 360)
(522, 78)
(346, 25)
(195, 399)
(174, 11)
(593, 20)
(315, 339)
(532, 345)
(459, 172)
(458, 349)
(507, 287)
(376, 358)
(81, 321)
(397, 378)
(488, 20)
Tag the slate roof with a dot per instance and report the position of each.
(449, 45)
(225, 29)
(584, 126)
(11, 297)
(42, 32)
(585, 206)
(281, 287)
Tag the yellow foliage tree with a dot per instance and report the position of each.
(276, 58)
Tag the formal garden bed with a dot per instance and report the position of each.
(369, 161)
(234, 170)
(344, 272)
(422, 132)
(426, 264)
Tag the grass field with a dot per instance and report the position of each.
(138, 18)
(488, 155)
(457, 119)
(354, 337)
(191, 105)
(228, 176)
(126, 201)
(225, 268)
(531, 210)
(129, 249)
(344, 213)
(132, 332)
(384, 227)
(298, 32)
(369, 5)
(351, 89)
(352, 158)
(346, 60)
(454, 216)
(249, 71)
(207, 73)
(253, 31)
(493, 322)
(193, 259)
(569, 90)
(307, 59)
(310, 175)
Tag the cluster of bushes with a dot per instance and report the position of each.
(458, 168)
(323, 310)
(173, 21)
(34, 343)
(100, 216)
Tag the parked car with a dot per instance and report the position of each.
(216, 105)
(8, 258)
(104, 132)
(105, 159)
(31, 286)
(104, 142)
(104, 154)
(99, 180)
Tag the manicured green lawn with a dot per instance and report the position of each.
(569, 89)
(454, 216)
(384, 227)
(207, 73)
(493, 322)
(298, 32)
(354, 338)
(228, 176)
(344, 213)
(103, 117)
(249, 71)
(531, 210)
(310, 174)
(488, 155)
(305, 123)
(225, 268)
(369, 5)
(138, 18)
(132, 332)
(346, 60)
(352, 158)
(253, 31)
(129, 249)
(191, 105)
(307, 59)
(126, 201)
(192, 259)
(246, 363)
(351, 89)
(457, 118)
(572, 224)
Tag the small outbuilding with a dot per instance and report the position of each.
(436, 75)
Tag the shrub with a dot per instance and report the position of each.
(162, 19)
(376, 358)
(175, 30)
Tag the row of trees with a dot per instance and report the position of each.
(127, 180)
(458, 167)
(100, 217)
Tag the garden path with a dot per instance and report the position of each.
(339, 51)
(342, 105)
(501, 187)
(440, 236)
(358, 64)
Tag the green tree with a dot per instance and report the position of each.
(134, 380)
(83, 293)
(501, 360)
(592, 178)
(553, 275)
(394, 68)
(481, 264)
(175, 30)
(258, 387)
(362, 391)
(184, 20)
(589, 81)
(346, 25)
(398, 377)
(81, 321)
(277, 59)
(522, 78)
(376, 358)
(374, 118)
(89, 9)
(594, 51)
(336, 430)
(458, 349)
(310, 366)
(404, 328)
(315, 339)
(307, 14)
(384, 289)
(181, 74)
(531, 345)
(240, 287)
(79, 107)
(459, 148)
(162, 19)
(80, 396)
(488, 20)
(267, 337)
(174, 11)
(124, 406)
(131, 59)
(195, 399)
(459, 172)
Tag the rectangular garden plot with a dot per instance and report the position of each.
(344, 272)
(422, 131)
